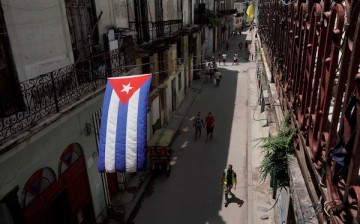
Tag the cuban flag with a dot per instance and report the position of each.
(122, 143)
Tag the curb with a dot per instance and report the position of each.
(132, 205)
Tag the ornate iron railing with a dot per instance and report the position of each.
(49, 93)
(314, 52)
(155, 30)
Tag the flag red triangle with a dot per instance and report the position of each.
(126, 86)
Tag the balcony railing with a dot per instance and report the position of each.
(49, 93)
(149, 31)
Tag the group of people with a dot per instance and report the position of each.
(228, 177)
(213, 73)
(199, 124)
(222, 56)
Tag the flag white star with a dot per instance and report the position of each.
(126, 88)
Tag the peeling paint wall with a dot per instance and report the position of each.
(39, 36)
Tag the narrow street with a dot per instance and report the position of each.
(192, 193)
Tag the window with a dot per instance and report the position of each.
(37, 184)
(162, 66)
(141, 19)
(11, 100)
(71, 153)
(179, 81)
(180, 51)
(81, 20)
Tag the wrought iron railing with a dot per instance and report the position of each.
(49, 93)
(313, 49)
(149, 31)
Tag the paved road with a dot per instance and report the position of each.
(193, 194)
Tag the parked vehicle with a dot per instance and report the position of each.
(159, 148)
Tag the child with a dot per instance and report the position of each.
(235, 59)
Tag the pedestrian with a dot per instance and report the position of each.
(235, 58)
(219, 58)
(217, 77)
(223, 58)
(227, 46)
(228, 179)
(198, 124)
(211, 71)
(240, 46)
(209, 123)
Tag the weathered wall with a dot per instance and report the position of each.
(107, 19)
(39, 36)
(120, 13)
(45, 148)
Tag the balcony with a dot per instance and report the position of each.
(226, 12)
(40, 98)
(151, 31)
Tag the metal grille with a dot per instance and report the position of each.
(158, 29)
(313, 51)
(49, 93)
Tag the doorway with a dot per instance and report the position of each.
(173, 94)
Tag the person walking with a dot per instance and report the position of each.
(217, 77)
(240, 46)
(198, 124)
(219, 58)
(228, 179)
(235, 59)
(209, 123)
(223, 58)
(211, 71)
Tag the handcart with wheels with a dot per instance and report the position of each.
(159, 148)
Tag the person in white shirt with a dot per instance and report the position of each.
(235, 59)
(223, 58)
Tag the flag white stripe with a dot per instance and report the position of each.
(111, 133)
(131, 132)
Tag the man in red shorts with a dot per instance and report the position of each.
(209, 122)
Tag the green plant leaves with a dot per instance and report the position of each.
(276, 151)
(211, 19)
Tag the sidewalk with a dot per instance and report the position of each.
(137, 184)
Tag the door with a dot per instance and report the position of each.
(173, 94)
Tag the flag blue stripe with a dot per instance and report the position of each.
(115, 131)
(120, 161)
(142, 126)
(103, 127)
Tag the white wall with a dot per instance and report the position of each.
(39, 36)
(39, 33)
(120, 13)
(170, 10)
(107, 18)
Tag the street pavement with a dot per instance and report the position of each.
(192, 193)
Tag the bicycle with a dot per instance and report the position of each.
(116, 214)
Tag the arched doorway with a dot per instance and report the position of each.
(66, 200)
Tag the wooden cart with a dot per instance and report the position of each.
(159, 148)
